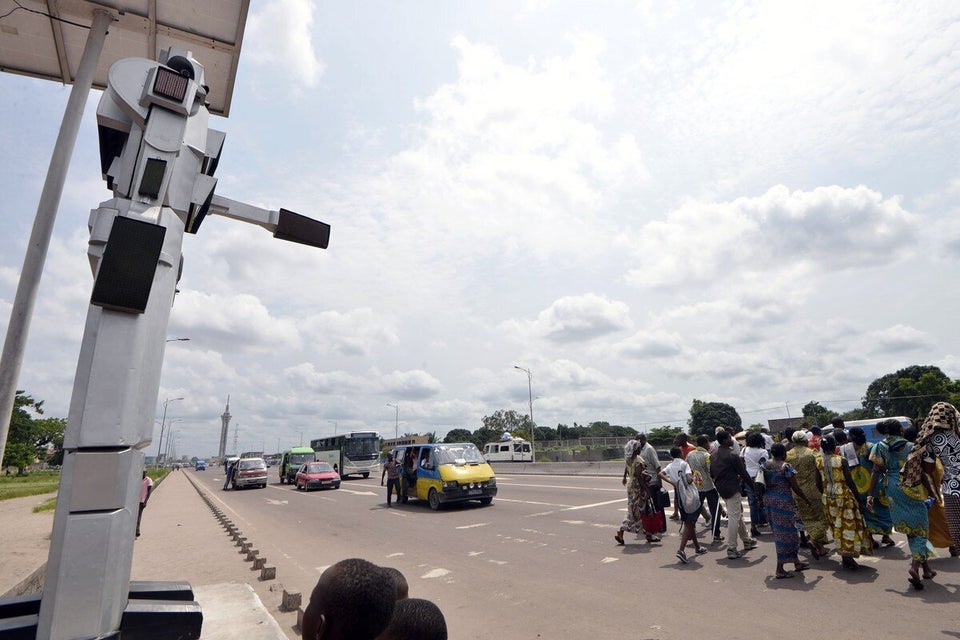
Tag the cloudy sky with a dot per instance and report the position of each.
(641, 202)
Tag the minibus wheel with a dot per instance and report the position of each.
(434, 498)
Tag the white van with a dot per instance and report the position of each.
(869, 427)
(508, 449)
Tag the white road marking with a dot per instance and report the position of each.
(272, 501)
(435, 573)
(395, 555)
(473, 526)
(590, 506)
(500, 562)
(358, 493)
(606, 560)
(545, 504)
(475, 553)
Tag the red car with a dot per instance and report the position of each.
(317, 475)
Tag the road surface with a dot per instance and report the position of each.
(541, 562)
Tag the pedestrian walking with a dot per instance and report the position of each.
(841, 505)
(392, 472)
(728, 473)
(781, 483)
(907, 508)
(146, 488)
(940, 434)
(804, 462)
(636, 479)
(678, 474)
(699, 461)
(231, 471)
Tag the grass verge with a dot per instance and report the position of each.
(36, 483)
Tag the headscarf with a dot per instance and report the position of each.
(799, 437)
(630, 448)
(943, 416)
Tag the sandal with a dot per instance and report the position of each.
(785, 575)
(930, 576)
(803, 566)
(915, 580)
(618, 536)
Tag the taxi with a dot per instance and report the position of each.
(443, 473)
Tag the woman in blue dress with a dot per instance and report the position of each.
(781, 484)
(907, 508)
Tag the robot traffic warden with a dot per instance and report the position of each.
(158, 158)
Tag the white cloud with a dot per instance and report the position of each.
(581, 318)
(279, 39)
(780, 233)
(898, 338)
(410, 385)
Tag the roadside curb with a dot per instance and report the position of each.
(246, 548)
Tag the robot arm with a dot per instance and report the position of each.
(285, 225)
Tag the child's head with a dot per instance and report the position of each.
(416, 619)
(353, 599)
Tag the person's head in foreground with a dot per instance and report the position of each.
(353, 600)
(416, 619)
(403, 589)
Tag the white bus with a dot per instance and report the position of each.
(508, 449)
(355, 453)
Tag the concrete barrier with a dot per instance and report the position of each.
(290, 601)
(268, 573)
(606, 468)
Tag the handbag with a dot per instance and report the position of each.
(653, 520)
(663, 499)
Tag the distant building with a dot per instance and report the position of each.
(779, 425)
(390, 443)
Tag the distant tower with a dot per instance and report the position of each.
(236, 434)
(224, 429)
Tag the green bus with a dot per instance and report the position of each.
(290, 461)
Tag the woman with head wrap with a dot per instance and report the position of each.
(907, 508)
(804, 462)
(636, 478)
(857, 453)
(939, 436)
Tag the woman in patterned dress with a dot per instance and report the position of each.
(804, 462)
(841, 505)
(781, 484)
(907, 508)
(878, 521)
(940, 436)
(636, 478)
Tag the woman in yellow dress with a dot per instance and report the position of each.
(804, 462)
(841, 505)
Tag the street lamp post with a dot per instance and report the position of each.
(396, 424)
(163, 423)
(533, 456)
(334, 422)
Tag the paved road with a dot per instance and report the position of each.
(541, 563)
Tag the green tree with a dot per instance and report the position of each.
(19, 455)
(24, 431)
(705, 417)
(663, 435)
(458, 435)
(48, 434)
(816, 413)
(502, 421)
(910, 392)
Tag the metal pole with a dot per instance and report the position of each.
(533, 456)
(36, 254)
(162, 424)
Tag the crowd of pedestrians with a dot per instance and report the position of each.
(813, 488)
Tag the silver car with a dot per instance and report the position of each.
(250, 472)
